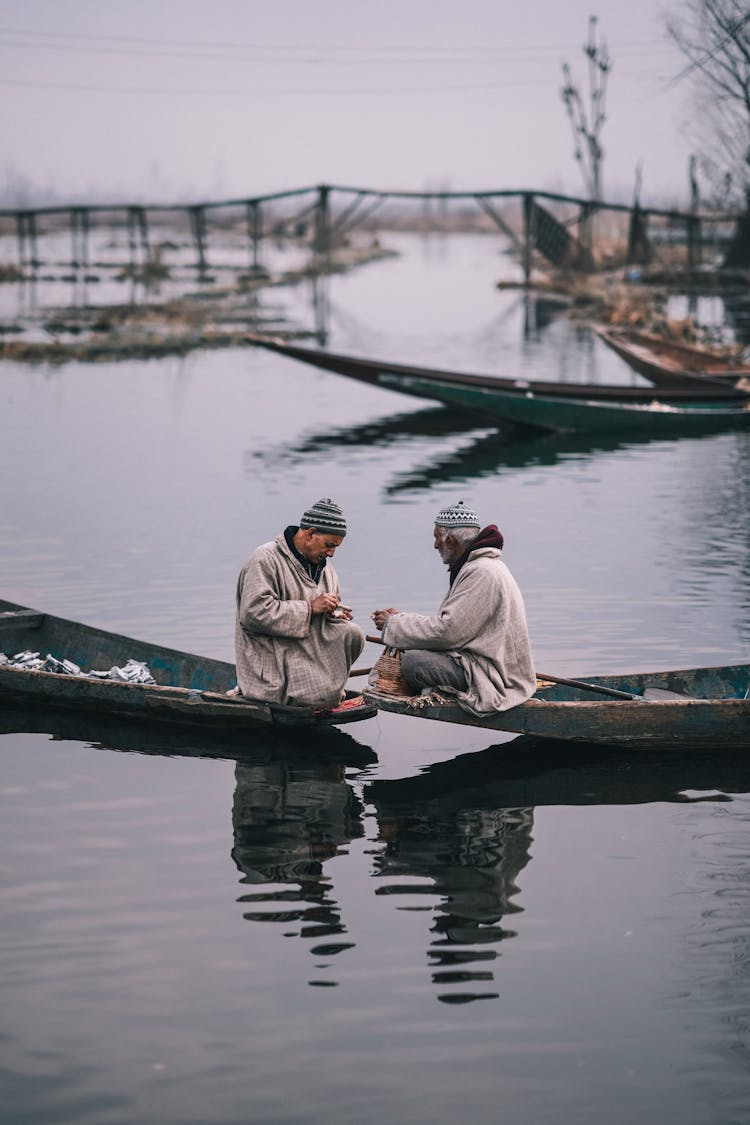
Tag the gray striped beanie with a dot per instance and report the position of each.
(326, 517)
(457, 515)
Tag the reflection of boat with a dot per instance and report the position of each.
(392, 429)
(489, 452)
(669, 363)
(487, 448)
(539, 772)
(189, 690)
(466, 825)
(293, 808)
(427, 422)
(688, 708)
(105, 731)
(541, 405)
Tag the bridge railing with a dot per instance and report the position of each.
(567, 231)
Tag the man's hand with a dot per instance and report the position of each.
(380, 616)
(324, 603)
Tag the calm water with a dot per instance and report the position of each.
(405, 922)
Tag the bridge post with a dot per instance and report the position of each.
(198, 221)
(255, 233)
(693, 241)
(79, 231)
(84, 222)
(21, 238)
(142, 219)
(138, 240)
(74, 238)
(529, 235)
(132, 244)
(322, 241)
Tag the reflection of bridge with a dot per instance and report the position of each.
(559, 227)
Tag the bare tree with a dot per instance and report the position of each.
(587, 125)
(714, 37)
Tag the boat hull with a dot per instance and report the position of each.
(570, 415)
(705, 708)
(190, 690)
(668, 364)
(700, 406)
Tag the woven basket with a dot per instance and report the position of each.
(389, 678)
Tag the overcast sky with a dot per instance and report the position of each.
(181, 99)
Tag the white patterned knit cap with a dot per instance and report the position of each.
(326, 517)
(457, 515)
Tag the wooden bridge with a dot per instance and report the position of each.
(561, 228)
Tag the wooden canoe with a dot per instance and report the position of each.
(189, 689)
(668, 363)
(550, 406)
(693, 708)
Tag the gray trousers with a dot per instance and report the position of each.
(424, 669)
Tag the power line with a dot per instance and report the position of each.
(191, 49)
(284, 91)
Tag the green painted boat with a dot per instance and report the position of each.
(568, 414)
(189, 690)
(547, 406)
(692, 708)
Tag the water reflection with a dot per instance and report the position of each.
(536, 772)
(540, 310)
(485, 455)
(392, 429)
(723, 497)
(487, 450)
(466, 826)
(293, 808)
(288, 818)
(452, 842)
(103, 732)
(472, 855)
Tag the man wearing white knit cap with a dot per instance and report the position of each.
(295, 642)
(477, 645)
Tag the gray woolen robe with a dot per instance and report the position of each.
(482, 623)
(284, 653)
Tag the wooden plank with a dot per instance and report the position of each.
(688, 724)
(26, 618)
(122, 697)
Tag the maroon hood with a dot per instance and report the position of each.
(489, 536)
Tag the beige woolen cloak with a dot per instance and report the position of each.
(284, 653)
(482, 623)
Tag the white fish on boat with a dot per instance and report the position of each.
(134, 671)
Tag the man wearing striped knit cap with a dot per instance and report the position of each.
(295, 642)
(477, 646)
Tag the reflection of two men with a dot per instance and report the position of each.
(289, 817)
(295, 644)
(472, 857)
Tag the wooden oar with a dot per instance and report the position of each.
(612, 692)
